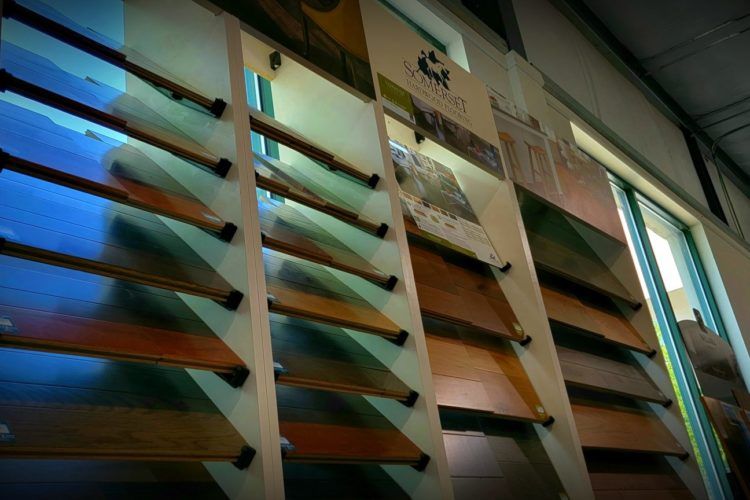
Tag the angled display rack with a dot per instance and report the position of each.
(38, 78)
(274, 130)
(49, 21)
(355, 433)
(154, 419)
(316, 356)
(36, 146)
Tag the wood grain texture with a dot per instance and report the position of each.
(607, 370)
(103, 410)
(318, 356)
(308, 291)
(627, 429)
(45, 226)
(333, 428)
(479, 373)
(38, 78)
(272, 129)
(462, 291)
(624, 476)
(97, 165)
(287, 230)
(606, 322)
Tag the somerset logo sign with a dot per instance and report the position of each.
(433, 68)
(429, 78)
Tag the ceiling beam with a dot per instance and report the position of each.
(620, 56)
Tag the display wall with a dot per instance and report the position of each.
(403, 293)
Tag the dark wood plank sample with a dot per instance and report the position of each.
(53, 23)
(339, 482)
(605, 368)
(62, 407)
(308, 291)
(272, 129)
(611, 427)
(50, 479)
(326, 427)
(322, 357)
(462, 291)
(732, 425)
(479, 373)
(288, 230)
(53, 226)
(40, 148)
(558, 248)
(633, 475)
(38, 78)
(604, 321)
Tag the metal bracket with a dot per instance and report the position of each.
(380, 233)
(4, 157)
(525, 341)
(419, 138)
(421, 465)
(401, 338)
(652, 353)
(222, 168)
(389, 285)
(227, 232)
(372, 182)
(245, 458)
(548, 422)
(233, 300)
(217, 107)
(271, 300)
(506, 267)
(667, 403)
(411, 399)
(236, 377)
(286, 447)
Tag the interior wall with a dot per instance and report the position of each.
(559, 50)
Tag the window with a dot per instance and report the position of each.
(259, 97)
(415, 27)
(674, 285)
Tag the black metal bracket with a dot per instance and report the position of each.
(236, 377)
(637, 306)
(506, 267)
(4, 77)
(684, 456)
(667, 403)
(652, 353)
(227, 232)
(380, 233)
(419, 138)
(233, 300)
(274, 59)
(526, 340)
(421, 465)
(548, 422)
(4, 157)
(401, 338)
(222, 168)
(389, 285)
(411, 399)
(372, 182)
(217, 107)
(245, 459)
(278, 370)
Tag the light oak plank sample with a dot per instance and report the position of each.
(326, 427)
(479, 373)
(62, 407)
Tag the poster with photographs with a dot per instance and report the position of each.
(328, 33)
(439, 126)
(555, 169)
(432, 198)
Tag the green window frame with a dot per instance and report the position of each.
(635, 208)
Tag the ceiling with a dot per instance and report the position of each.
(698, 52)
